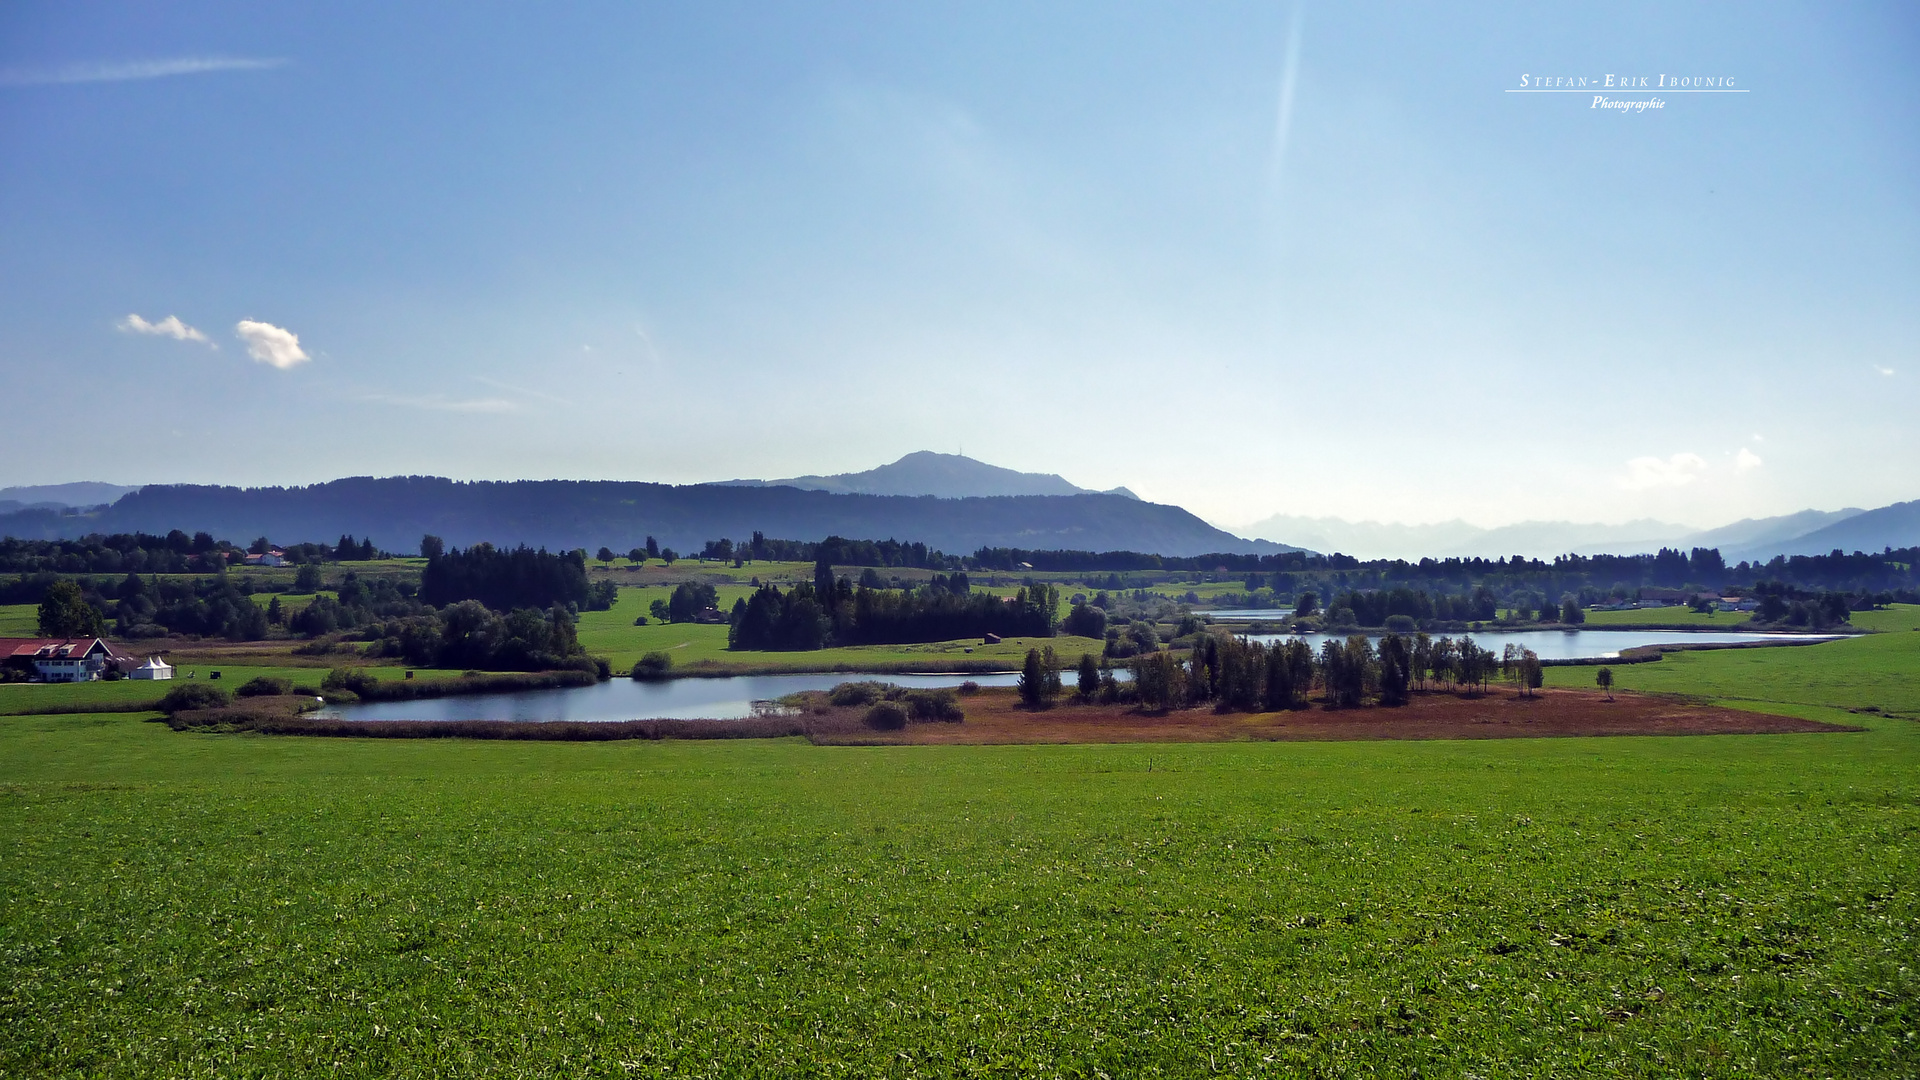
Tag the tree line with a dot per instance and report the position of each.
(509, 578)
(835, 611)
(1235, 674)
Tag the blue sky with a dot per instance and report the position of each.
(693, 242)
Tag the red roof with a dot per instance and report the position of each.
(54, 648)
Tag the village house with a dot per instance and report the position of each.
(276, 557)
(64, 659)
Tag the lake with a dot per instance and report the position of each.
(1573, 644)
(732, 697)
(728, 698)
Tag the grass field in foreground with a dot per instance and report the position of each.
(175, 904)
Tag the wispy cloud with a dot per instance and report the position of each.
(171, 326)
(271, 344)
(1883, 370)
(1746, 460)
(1652, 472)
(483, 405)
(520, 390)
(1283, 114)
(127, 70)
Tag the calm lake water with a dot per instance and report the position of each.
(732, 698)
(729, 698)
(1573, 644)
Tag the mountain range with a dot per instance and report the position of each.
(944, 476)
(55, 496)
(1808, 532)
(396, 511)
(948, 501)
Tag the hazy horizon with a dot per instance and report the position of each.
(1247, 259)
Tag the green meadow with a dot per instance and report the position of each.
(613, 635)
(19, 620)
(1669, 616)
(180, 904)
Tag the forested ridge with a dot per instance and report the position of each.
(565, 514)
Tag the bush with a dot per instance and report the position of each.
(1401, 624)
(640, 620)
(886, 716)
(194, 696)
(969, 688)
(265, 686)
(358, 682)
(340, 697)
(654, 665)
(849, 694)
(934, 704)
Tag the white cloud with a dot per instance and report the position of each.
(270, 344)
(1883, 370)
(171, 326)
(134, 69)
(1746, 460)
(1652, 472)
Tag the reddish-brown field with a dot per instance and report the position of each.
(996, 716)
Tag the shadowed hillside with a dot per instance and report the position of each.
(396, 511)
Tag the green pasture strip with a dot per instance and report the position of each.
(178, 904)
(612, 634)
(1668, 617)
(23, 698)
(19, 620)
(292, 600)
(1879, 670)
(1891, 617)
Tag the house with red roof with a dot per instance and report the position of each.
(64, 659)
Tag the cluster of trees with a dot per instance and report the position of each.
(830, 610)
(521, 577)
(1781, 603)
(147, 607)
(469, 635)
(1235, 674)
(688, 600)
(1381, 606)
(174, 553)
(358, 604)
(769, 619)
(837, 550)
